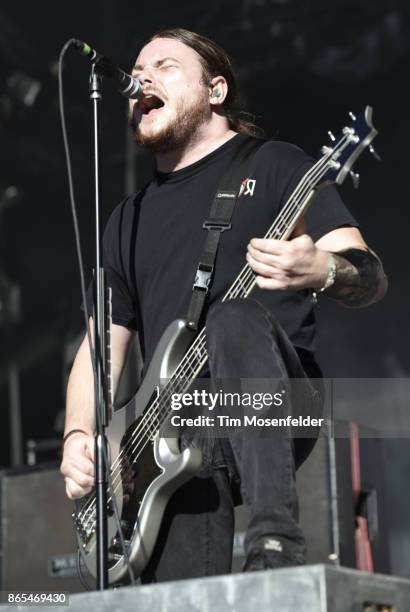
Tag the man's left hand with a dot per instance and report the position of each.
(288, 264)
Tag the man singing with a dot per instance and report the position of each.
(187, 116)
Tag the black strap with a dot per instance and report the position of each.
(218, 222)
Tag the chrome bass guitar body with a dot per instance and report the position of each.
(145, 469)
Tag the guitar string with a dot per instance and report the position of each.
(302, 190)
(248, 272)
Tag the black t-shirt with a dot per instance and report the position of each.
(154, 240)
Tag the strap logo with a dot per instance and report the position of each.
(226, 194)
(247, 187)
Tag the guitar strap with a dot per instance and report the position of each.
(219, 221)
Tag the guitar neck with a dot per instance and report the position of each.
(284, 224)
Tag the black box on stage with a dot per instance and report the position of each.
(37, 542)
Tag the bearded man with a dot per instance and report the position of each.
(153, 241)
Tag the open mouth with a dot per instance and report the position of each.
(150, 103)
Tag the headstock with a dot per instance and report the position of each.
(339, 157)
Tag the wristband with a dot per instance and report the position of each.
(331, 274)
(330, 279)
(73, 431)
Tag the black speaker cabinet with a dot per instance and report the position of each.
(37, 542)
(326, 506)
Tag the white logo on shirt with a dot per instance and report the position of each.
(247, 187)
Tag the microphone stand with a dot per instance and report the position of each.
(100, 324)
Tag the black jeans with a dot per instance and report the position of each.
(243, 341)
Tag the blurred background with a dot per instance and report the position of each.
(302, 67)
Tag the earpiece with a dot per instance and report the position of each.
(216, 94)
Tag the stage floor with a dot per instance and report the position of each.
(312, 588)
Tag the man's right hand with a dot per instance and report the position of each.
(77, 465)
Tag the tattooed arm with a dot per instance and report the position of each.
(340, 264)
(359, 278)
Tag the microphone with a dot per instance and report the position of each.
(127, 85)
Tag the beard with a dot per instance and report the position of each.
(179, 131)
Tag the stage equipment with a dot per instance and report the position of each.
(100, 344)
(37, 542)
(127, 85)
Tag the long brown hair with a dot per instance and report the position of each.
(215, 62)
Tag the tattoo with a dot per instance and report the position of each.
(360, 278)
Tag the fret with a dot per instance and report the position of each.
(241, 284)
(152, 431)
(230, 294)
(198, 353)
(190, 369)
(151, 424)
(275, 233)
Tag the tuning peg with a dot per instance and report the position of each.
(327, 150)
(352, 116)
(331, 136)
(374, 153)
(355, 176)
